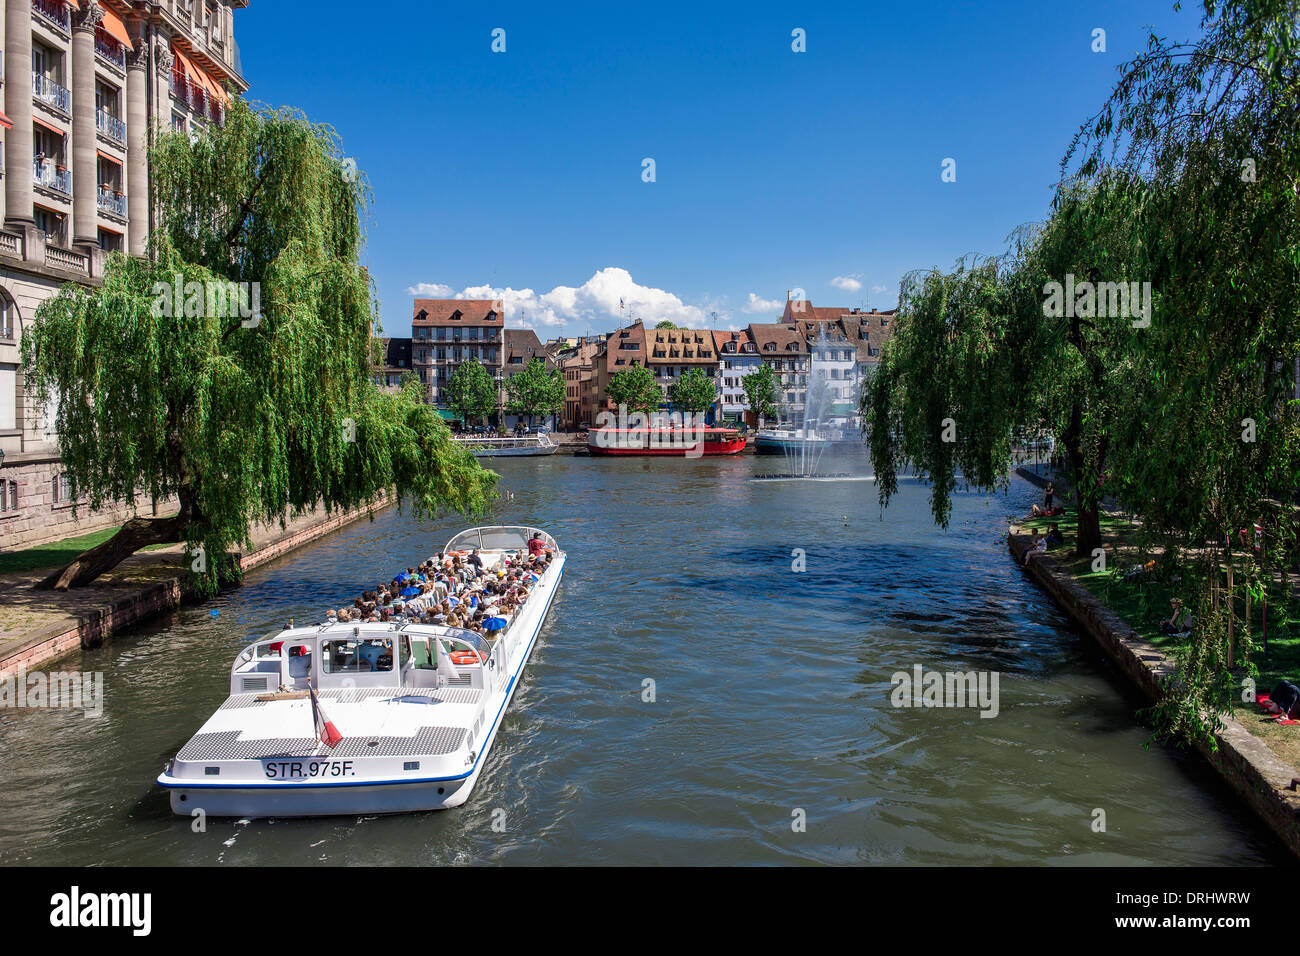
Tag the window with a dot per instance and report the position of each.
(60, 490)
(8, 397)
(8, 497)
(8, 318)
(47, 62)
(47, 146)
(51, 223)
(108, 174)
(106, 99)
(110, 241)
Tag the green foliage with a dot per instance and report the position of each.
(1185, 180)
(636, 388)
(693, 391)
(242, 418)
(471, 390)
(761, 392)
(665, 324)
(535, 391)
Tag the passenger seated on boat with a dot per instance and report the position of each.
(536, 545)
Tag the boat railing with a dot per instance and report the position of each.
(540, 440)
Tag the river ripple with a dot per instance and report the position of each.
(772, 697)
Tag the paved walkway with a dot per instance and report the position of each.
(29, 616)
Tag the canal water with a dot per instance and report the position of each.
(770, 738)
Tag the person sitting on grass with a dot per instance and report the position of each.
(1054, 535)
(1038, 545)
(1179, 621)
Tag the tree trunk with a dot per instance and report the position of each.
(137, 533)
(1085, 499)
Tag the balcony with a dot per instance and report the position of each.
(111, 201)
(54, 12)
(48, 175)
(50, 93)
(110, 48)
(110, 126)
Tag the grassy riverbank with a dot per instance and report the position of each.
(1142, 600)
(55, 554)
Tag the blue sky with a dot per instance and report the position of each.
(519, 174)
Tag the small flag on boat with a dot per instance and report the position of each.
(329, 734)
(446, 668)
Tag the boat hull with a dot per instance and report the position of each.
(515, 452)
(711, 450)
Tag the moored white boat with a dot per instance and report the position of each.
(415, 735)
(485, 447)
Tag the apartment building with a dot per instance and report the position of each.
(87, 86)
(784, 348)
(446, 333)
(395, 362)
(737, 357)
(521, 347)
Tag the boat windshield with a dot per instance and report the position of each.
(501, 538)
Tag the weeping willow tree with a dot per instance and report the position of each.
(231, 369)
(1211, 441)
(989, 351)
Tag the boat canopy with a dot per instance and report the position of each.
(497, 538)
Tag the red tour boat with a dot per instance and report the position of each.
(682, 442)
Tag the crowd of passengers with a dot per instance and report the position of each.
(456, 590)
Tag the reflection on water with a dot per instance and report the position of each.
(771, 696)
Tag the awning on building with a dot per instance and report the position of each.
(5, 121)
(108, 156)
(448, 414)
(50, 126)
(117, 29)
(200, 78)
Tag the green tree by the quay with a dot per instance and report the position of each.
(471, 391)
(1212, 444)
(980, 355)
(693, 392)
(760, 392)
(242, 416)
(634, 387)
(535, 391)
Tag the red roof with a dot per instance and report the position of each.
(452, 311)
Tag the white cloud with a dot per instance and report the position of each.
(879, 288)
(846, 283)
(432, 290)
(756, 305)
(595, 303)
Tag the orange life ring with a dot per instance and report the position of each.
(464, 657)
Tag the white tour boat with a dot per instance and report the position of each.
(538, 443)
(413, 710)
